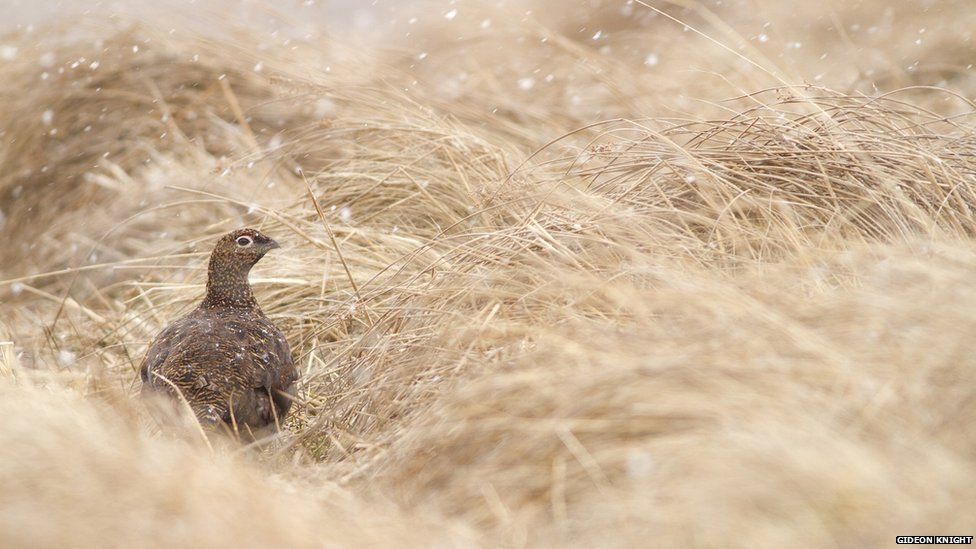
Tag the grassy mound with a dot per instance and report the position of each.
(584, 296)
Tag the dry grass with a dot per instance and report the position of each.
(711, 307)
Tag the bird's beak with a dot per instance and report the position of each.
(272, 244)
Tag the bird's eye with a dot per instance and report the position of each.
(244, 241)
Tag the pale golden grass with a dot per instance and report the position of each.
(590, 311)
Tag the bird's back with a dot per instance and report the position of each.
(231, 366)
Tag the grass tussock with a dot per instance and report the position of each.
(585, 297)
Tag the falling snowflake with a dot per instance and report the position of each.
(47, 117)
(639, 464)
(66, 358)
(651, 59)
(451, 14)
(325, 107)
(526, 83)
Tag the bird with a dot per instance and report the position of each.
(226, 359)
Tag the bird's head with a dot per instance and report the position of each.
(243, 247)
(230, 262)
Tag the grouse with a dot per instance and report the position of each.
(226, 359)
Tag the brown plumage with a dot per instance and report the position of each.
(230, 363)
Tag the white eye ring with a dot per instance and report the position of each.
(244, 241)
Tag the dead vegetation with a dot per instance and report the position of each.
(728, 306)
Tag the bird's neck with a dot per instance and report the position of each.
(227, 286)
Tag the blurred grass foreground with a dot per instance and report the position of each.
(620, 274)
